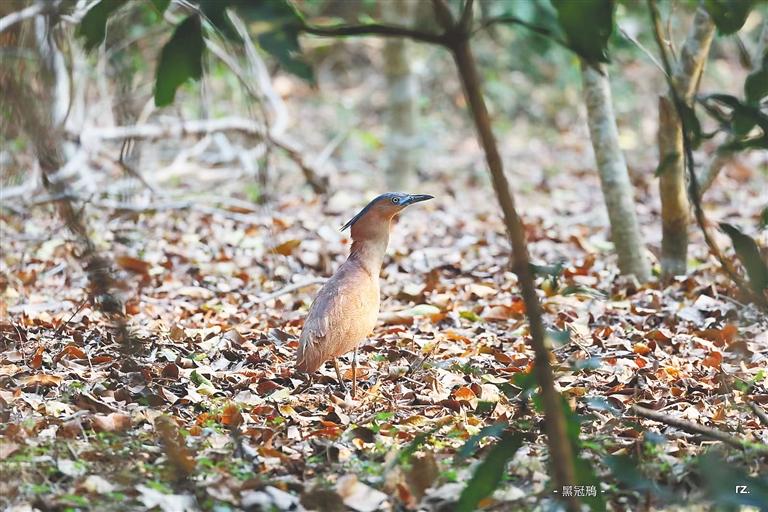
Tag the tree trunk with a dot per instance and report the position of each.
(614, 177)
(561, 452)
(675, 210)
(675, 215)
(403, 90)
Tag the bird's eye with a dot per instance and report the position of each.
(395, 200)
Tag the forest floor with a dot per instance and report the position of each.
(206, 411)
(80, 412)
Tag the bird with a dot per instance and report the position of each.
(346, 308)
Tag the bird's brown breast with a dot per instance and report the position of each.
(342, 315)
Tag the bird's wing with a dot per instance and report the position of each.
(333, 316)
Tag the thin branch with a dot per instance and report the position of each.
(694, 428)
(290, 288)
(176, 130)
(642, 48)
(24, 14)
(128, 169)
(759, 412)
(513, 20)
(375, 29)
(658, 32)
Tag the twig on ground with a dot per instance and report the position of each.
(126, 168)
(290, 288)
(694, 428)
(759, 412)
(413, 368)
(61, 326)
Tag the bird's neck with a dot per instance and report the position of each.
(369, 252)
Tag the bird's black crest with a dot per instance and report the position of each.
(386, 195)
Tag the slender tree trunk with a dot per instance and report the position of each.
(614, 177)
(403, 91)
(561, 451)
(675, 215)
(675, 209)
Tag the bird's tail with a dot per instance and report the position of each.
(308, 359)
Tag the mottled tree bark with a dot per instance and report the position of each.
(403, 91)
(614, 177)
(675, 215)
(675, 210)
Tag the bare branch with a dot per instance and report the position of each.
(759, 412)
(642, 48)
(177, 130)
(694, 428)
(290, 288)
(375, 29)
(25, 14)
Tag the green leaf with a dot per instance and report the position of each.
(751, 143)
(601, 404)
(160, 5)
(580, 289)
(524, 380)
(470, 315)
(588, 25)
(406, 453)
(558, 337)
(199, 380)
(739, 119)
(749, 254)
(216, 13)
(93, 26)
(729, 15)
(691, 124)
(721, 478)
(625, 470)
(584, 471)
(489, 472)
(587, 364)
(470, 447)
(555, 270)
(278, 25)
(284, 46)
(756, 85)
(764, 218)
(180, 60)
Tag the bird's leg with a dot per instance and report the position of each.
(338, 374)
(354, 373)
